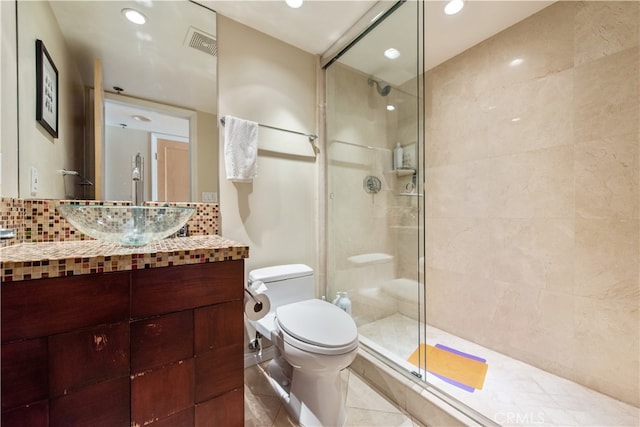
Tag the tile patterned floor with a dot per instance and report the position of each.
(515, 393)
(365, 407)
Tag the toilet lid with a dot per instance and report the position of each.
(317, 322)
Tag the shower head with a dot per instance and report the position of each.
(382, 87)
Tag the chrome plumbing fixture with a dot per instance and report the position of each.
(383, 88)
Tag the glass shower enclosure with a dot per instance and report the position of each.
(482, 210)
(375, 202)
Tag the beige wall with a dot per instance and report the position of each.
(207, 149)
(38, 148)
(533, 224)
(9, 99)
(264, 80)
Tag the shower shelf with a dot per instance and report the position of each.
(410, 194)
(405, 227)
(368, 259)
(405, 172)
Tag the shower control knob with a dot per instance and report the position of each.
(372, 184)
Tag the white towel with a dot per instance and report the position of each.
(240, 149)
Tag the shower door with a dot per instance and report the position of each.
(375, 200)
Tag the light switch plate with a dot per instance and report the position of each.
(34, 181)
(209, 197)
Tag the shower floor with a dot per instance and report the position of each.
(514, 392)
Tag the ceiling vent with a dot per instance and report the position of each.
(201, 41)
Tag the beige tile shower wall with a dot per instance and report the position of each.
(386, 222)
(358, 116)
(533, 196)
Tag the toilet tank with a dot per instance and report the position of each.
(285, 283)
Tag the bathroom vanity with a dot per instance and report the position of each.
(123, 338)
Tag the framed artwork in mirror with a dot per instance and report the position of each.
(46, 90)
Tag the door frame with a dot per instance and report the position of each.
(154, 161)
(183, 113)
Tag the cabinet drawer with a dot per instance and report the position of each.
(219, 326)
(37, 308)
(226, 410)
(78, 359)
(169, 289)
(159, 393)
(25, 378)
(104, 404)
(161, 340)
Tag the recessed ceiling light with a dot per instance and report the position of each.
(392, 53)
(516, 62)
(453, 7)
(516, 119)
(391, 107)
(140, 118)
(134, 16)
(294, 3)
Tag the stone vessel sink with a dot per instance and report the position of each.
(126, 225)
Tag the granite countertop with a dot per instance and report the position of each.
(26, 261)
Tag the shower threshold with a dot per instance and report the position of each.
(514, 393)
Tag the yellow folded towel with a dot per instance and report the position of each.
(453, 366)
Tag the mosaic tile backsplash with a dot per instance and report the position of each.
(47, 246)
(37, 221)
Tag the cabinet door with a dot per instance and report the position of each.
(32, 415)
(161, 340)
(104, 404)
(218, 326)
(81, 358)
(226, 410)
(219, 371)
(25, 377)
(219, 349)
(184, 418)
(162, 392)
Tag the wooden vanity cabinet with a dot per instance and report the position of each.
(160, 347)
(65, 351)
(181, 361)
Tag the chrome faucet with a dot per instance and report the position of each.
(137, 174)
(137, 187)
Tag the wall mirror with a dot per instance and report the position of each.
(158, 81)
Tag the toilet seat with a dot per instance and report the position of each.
(317, 326)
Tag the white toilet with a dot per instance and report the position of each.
(314, 341)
